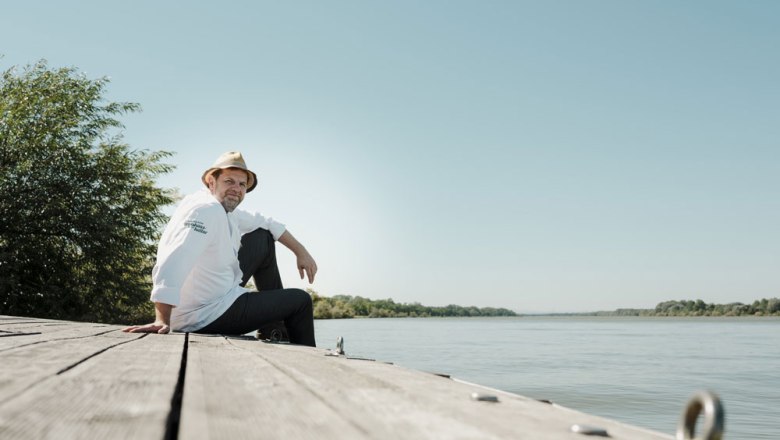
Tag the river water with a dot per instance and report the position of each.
(641, 371)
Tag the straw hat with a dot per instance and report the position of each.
(232, 159)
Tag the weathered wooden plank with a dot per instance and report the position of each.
(47, 325)
(7, 319)
(10, 326)
(388, 401)
(26, 366)
(13, 321)
(31, 334)
(231, 393)
(121, 393)
(22, 325)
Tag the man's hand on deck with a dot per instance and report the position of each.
(148, 328)
(161, 324)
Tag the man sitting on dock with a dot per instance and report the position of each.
(208, 252)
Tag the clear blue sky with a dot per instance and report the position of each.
(540, 156)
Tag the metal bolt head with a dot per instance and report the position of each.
(482, 397)
(589, 430)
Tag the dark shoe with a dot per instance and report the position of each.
(274, 332)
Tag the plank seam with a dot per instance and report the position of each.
(71, 366)
(8, 334)
(174, 416)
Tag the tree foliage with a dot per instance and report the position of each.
(346, 306)
(763, 307)
(80, 210)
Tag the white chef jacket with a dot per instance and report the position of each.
(197, 268)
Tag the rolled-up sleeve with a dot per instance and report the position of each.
(249, 221)
(182, 244)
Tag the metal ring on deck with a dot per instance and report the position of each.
(714, 418)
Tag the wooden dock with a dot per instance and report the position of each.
(71, 380)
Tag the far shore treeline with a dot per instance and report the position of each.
(760, 307)
(346, 306)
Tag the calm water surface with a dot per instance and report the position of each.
(640, 371)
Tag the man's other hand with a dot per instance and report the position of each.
(305, 261)
(307, 264)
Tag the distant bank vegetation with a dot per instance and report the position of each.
(346, 306)
(760, 307)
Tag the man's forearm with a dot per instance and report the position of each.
(162, 313)
(291, 243)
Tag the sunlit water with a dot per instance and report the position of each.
(640, 371)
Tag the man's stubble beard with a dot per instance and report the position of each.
(230, 204)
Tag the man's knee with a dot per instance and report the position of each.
(256, 245)
(259, 237)
(301, 296)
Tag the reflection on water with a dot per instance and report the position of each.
(637, 370)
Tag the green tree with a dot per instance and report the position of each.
(80, 210)
(322, 310)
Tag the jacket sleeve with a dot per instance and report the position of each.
(184, 241)
(249, 221)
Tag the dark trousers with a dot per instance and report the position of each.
(253, 310)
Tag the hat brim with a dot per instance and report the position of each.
(251, 174)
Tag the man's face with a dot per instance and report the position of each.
(229, 188)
